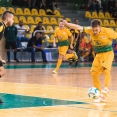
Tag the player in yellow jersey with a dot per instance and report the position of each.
(7, 20)
(62, 34)
(102, 41)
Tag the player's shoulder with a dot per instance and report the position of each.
(105, 29)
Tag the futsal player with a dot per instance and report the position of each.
(7, 20)
(62, 34)
(102, 41)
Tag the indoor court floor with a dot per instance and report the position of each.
(31, 90)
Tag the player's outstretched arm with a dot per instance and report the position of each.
(73, 26)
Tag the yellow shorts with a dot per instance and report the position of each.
(102, 60)
(62, 50)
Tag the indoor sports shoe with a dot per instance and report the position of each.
(55, 71)
(105, 92)
(101, 98)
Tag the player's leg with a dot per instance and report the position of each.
(2, 73)
(107, 63)
(14, 47)
(2, 70)
(62, 51)
(96, 71)
(7, 47)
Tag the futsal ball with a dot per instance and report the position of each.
(93, 92)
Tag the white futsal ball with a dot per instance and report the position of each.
(93, 92)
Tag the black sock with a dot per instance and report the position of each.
(15, 53)
(8, 55)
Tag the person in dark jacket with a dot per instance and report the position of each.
(35, 45)
(10, 35)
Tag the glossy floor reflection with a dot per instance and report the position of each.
(36, 92)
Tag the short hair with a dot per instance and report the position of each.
(6, 14)
(61, 20)
(95, 23)
(40, 22)
(76, 19)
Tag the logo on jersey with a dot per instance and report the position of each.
(103, 37)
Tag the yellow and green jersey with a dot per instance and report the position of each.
(62, 36)
(103, 41)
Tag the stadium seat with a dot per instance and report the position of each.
(59, 20)
(49, 11)
(87, 14)
(100, 22)
(53, 21)
(42, 12)
(11, 9)
(30, 20)
(57, 13)
(37, 20)
(2, 10)
(68, 19)
(19, 11)
(107, 15)
(106, 23)
(50, 28)
(46, 20)
(23, 19)
(56, 27)
(34, 12)
(112, 23)
(27, 27)
(101, 15)
(32, 28)
(16, 20)
(27, 11)
(115, 29)
(94, 14)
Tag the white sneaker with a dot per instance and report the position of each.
(82, 59)
(101, 98)
(105, 92)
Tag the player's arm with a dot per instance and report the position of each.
(73, 26)
(54, 42)
(55, 37)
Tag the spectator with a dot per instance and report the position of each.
(85, 47)
(41, 4)
(111, 5)
(49, 4)
(10, 35)
(21, 31)
(114, 13)
(94, 5)
(31, 3)
(40, 27)
(35, 45)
